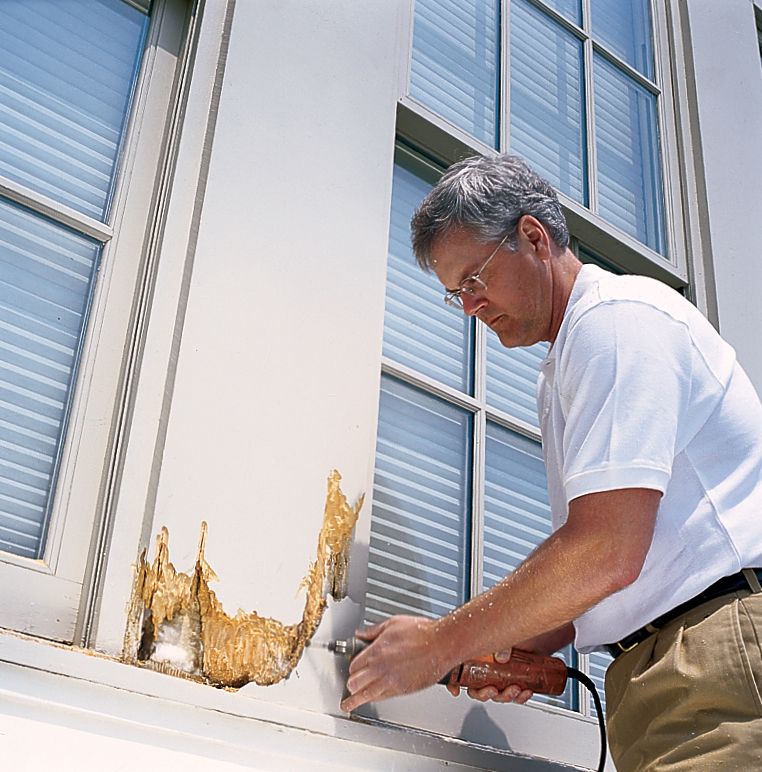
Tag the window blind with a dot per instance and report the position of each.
(548, 99)
(46, 278)
(599, 662)
(418, 554)
(512, 378)
(571, 9)
(624, 26)
(420, 331)
(516, 513)
(627, 144)
(67, 72)
(455, 63)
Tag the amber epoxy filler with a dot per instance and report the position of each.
(177, 625)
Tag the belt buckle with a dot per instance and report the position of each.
(625, 649)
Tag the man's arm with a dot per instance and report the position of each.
(599, 550)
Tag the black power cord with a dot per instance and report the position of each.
(588, 682)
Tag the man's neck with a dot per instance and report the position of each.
(566, 267)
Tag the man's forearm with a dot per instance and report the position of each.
(550, 642)
(578, 566)
(599, 550)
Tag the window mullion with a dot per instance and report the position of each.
(479, 459)
(505, 76)
(583, 696)
(592, 165)
(649, 85)
(477, 502)
(428, 384)
(60, 213)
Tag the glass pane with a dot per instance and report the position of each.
(419, 545)
(420, 331)
(629, 167)
(456, 63)
(624, 26)
(547, 99)
(67, 72)
(46, 275)
(516, 513)
(571, 9)
(512, 378)
(599, 664)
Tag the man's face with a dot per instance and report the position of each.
(517, 301)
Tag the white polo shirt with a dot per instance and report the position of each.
(640, 391)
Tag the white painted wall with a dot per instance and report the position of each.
(274, 354)
(729, 91)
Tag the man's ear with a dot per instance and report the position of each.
(533, 233)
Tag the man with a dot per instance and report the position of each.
(652, 436)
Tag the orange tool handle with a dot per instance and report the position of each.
(542, 675)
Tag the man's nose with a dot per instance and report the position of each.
(473, 303)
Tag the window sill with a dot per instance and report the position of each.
(45, 681)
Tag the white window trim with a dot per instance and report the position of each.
(47, 600)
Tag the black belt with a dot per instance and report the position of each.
(723, 586)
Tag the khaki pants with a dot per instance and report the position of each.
(688, 697)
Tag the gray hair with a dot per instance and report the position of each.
(488, 195)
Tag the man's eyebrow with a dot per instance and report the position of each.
(460, 284)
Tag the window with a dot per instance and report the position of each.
(71, 72)
(61, 132)
(459, 495)
(576, 87)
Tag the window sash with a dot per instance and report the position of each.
(66, 158)
(656, 241)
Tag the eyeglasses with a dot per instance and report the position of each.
(471, 283)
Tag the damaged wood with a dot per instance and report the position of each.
(176, 623)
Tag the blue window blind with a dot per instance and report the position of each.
(67, 72)
(599, 662)
(624, 26)
(456, 61)
(627, 142)
(512, 378)
(46, 277)
(516, 513)
(418, 555)
(420, 331)
(548, 99)
(571, 9)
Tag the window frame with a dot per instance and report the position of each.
(482, 413)
(436, 143)
(49, 604)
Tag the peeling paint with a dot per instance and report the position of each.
(177, 625)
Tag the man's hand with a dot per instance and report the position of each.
(511, 693)
(405, 656)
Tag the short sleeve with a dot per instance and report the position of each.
(624, 382)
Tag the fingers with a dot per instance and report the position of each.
(370, 694)
(513, 693)
(372, 632)
(454, 689)
(524, 697)
(485, 694)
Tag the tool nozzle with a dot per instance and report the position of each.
(346, 648)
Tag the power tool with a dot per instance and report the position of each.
(540, 674)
